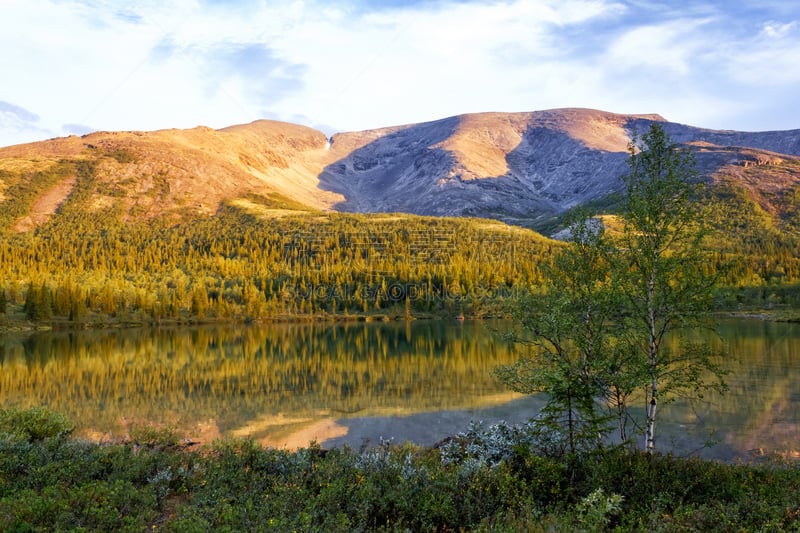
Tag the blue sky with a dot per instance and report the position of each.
(75, 66)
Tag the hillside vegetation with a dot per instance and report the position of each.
(178, 174)
(246, 264)
(242, 223)
(238, 265)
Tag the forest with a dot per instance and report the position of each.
(268, 258)
(235, 266)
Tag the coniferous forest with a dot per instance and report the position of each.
(269, 258)
(237, 266)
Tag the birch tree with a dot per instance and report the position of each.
(659, 269)
(609, 303)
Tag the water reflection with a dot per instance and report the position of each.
(253, 380)
(759, 413)
(287, 384)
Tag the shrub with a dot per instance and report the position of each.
(34, 424)
(491, 479)
(94, 506)
(154, 437)
(594, 512)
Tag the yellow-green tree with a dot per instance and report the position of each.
(568, 329)
(659, 269)
(608, 304)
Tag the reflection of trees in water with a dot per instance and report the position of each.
(233, 373)
(759, 411)
(236, 374)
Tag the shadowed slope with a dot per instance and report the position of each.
(504, 165)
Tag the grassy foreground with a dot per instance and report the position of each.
(497, 478)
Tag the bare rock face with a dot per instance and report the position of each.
(517, 167)
(520, 165)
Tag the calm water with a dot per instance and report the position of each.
(287, 384)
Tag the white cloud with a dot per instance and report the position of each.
(672, 46)
(773, 29)
(407, 67)
(152, 64)
(17, 124)
(767, 58)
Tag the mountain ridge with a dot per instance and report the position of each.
(520, 167)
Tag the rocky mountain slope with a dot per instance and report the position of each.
(500, 165)
(521, 167)
(517, 167)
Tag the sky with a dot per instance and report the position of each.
(76, 66)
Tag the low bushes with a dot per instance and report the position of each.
(33, 424)
(485, 479)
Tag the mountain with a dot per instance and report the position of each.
(522, 168)
(173, 173)
(499, 165)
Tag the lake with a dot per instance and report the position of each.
(286, 384)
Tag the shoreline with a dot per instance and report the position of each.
(17, 324)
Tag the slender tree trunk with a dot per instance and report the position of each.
(570, 422)
(621, 415)
(650, 429)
